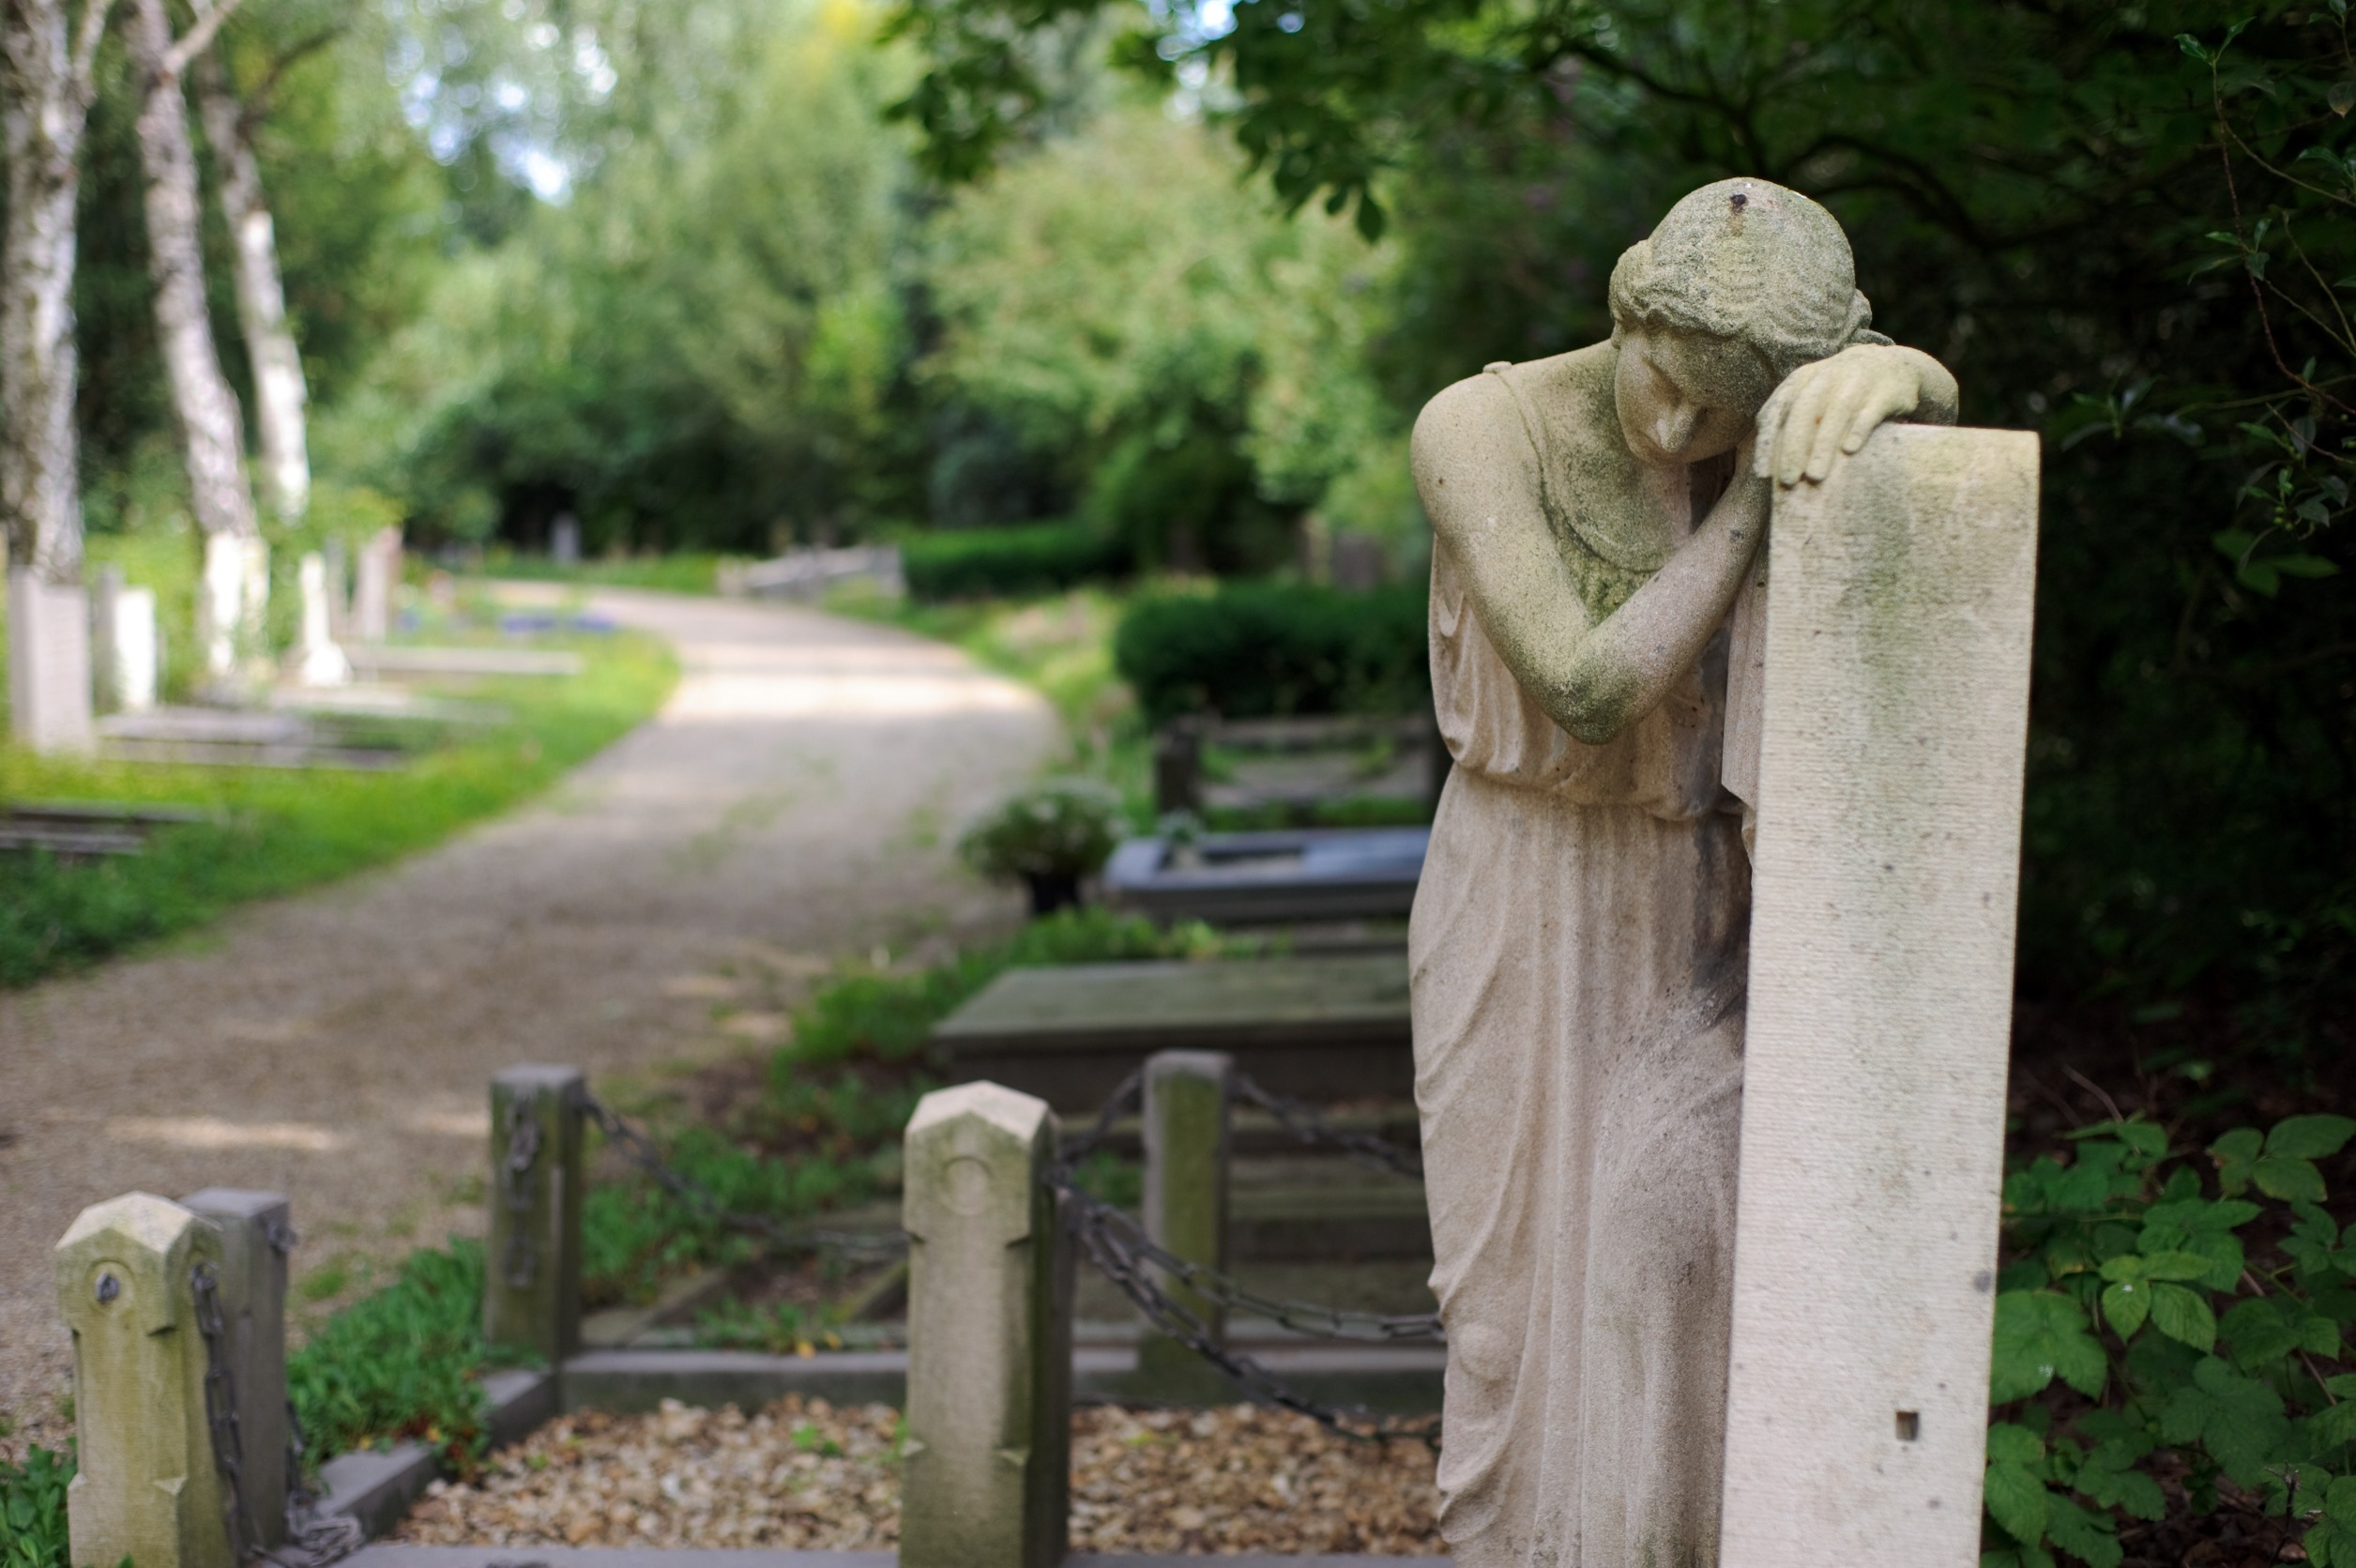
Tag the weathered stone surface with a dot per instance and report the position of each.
(146, 1487)
(1186, 1185)
(49, 665)
(989, 1335)
(532, 1261)
(1881, 983)
(254, 1228)
(127, 655)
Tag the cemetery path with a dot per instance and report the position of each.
(794, 800)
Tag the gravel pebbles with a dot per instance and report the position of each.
(804, 1474)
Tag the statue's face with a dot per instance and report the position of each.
(1684, 396)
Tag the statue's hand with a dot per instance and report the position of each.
(1828, 408)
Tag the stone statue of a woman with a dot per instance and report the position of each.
(1578, 942)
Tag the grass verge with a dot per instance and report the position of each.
(276, 831)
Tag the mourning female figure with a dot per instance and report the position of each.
(1579, 937)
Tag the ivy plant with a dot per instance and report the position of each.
(2166, 1302)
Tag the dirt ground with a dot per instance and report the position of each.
(796, 800)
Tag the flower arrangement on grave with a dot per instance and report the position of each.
(1048, 837)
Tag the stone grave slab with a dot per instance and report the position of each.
(1239, 879)
(1319, 1028)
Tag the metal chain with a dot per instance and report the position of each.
(1303, 1121)
(220, 1412)
(639, 1151)
(316, 1539)
(522, 1258)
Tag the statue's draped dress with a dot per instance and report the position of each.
(1578, 951)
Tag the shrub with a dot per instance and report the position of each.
(983, 563)
(2135, 1319)
(1260, 649)
(400, 1362)
(1063, 827)
(33, 1509)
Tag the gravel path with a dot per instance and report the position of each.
(795, 801)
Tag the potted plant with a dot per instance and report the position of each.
(1048, 837)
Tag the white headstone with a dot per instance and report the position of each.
(1886, 866)
(134, 653)
(563, 540)
(317, 660)
(379, 568)
(49, 665)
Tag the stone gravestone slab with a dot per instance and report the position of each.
(49, 665)
(317, 660)
(126, 656)
(1886, 865)
(563, 540)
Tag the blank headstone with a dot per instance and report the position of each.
(135, 651)
(1881, 980)
(221, 594)
(371, 589)
(317, 660)
(563, 540)
(49, 665)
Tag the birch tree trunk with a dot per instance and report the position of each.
(211, 424)
(280, 394)
(46, 82)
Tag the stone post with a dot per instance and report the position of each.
(339, 572)
(372, 587)
(1186, 1190)
(1887, 864)
(989, 1335)
(137, 651)
(220, 604)
(255, 1233)
(146, 1487)
(49, 663)
(532, 1265)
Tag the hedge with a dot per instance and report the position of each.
(1253, 650)
(981, 563)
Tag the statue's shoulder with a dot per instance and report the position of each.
(1513, 409)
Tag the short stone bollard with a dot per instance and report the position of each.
(1186, 1192)
(989, 1335)
(255, 1233)
(146, 1487)
(531, 1297)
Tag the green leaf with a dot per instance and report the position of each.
(2311, 1137)
(2238, 1150)
(2012, 1443)
(2173, 1265)
(2040, 1335)
(2193, 47)
(2129, 1490)
(2181, 1314)
(2282, 1177)
(2329, 1546)
(2257, 1332)
(2017, 1499)
(2088, 1536)
(2332, 1425)
(2125, 1307)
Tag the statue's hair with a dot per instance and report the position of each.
(1747, 260)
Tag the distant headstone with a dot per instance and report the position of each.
(49, 665)
(220, 599)
(127, 652)
(339, 589)
(378, 569)
(563, 540)
(318, 661)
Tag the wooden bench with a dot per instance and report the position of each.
(1323, 1029)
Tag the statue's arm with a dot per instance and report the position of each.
(1478, 474)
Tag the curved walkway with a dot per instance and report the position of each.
(794, 800)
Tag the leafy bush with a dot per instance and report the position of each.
(1063, 827)
(33, 1509)
(985, 563)
(2171, 1332)
(1255, 649)
(401, 1362)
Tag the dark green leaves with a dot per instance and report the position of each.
(2281, 1164)
(2041, 1335)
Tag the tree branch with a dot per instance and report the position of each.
(83, 61)
(198, 38)
(257, 103)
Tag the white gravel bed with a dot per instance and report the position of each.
(804, 1474)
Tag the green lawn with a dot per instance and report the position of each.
(276, 830)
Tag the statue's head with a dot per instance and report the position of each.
(1743, 284)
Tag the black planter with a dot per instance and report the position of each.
(1052, 890)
